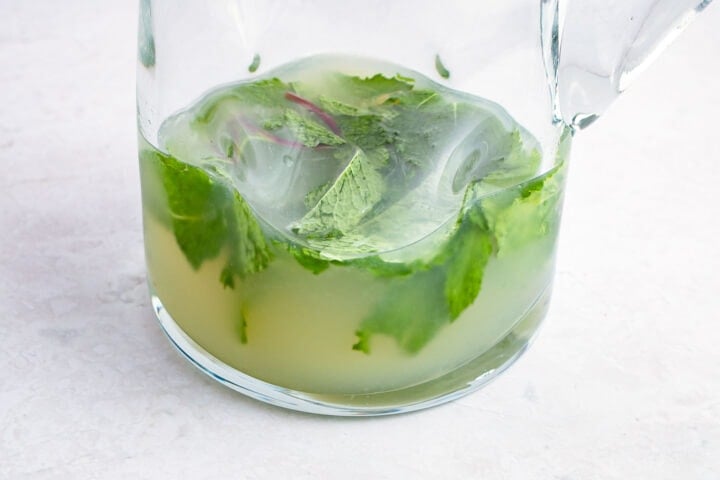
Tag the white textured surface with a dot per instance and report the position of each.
(624, 382)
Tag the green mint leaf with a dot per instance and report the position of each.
(309, 132)
(412, 314)
(262, 98)
(522, 215)
(432, 294)
(154, 198)
(207, 215)
(492, 160)
(273, 123)
(375, 90)
(195, 204)
(249, 250)
(470, 248)
(366, 131)
(423, 120)
(314, 195)
(358, 188)
(515, 165)
(381, 268)
(336, 107)
(308, 259)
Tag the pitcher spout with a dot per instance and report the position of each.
(594, 49)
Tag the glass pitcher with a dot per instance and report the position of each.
(352, 208)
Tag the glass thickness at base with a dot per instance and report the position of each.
(462, 381)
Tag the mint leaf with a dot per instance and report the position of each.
(357, 189)
(412, 315)
(309, 132)
(471, 248)
(326, 118)
(366, 131)
(192, 200)
(363, 92)
(431, 295)
(262, 98)
(249, 250)
(314, 195)
(308, 259)
(336, 107)
(423, 120)
(527, 213)
(206, 215)
(515, 165)
(381, 268)
(491, 153)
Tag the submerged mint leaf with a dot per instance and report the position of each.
(521, 216)
(207, 215)
(375, 90)
(268, 92)
(249, 250)
(195, 204)
(423, 121)
(314, 195)
(432, 294)
(366, 131)
(265, 98)
(354, 193)
(470, 248)
(273, 123)
(308, 259)
(515, 165)
(412, 315)
(324, 116)
(336, 107)
(494, 156)
(309, 132)
(381, 268)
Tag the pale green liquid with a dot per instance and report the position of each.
(301, 327)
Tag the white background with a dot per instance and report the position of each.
(623, 382)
